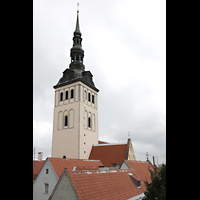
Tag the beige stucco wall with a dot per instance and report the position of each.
(76, 139)
(131, 154)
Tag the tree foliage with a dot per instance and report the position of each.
(156, 190)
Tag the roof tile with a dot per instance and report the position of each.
(60, 163)
(109, 154)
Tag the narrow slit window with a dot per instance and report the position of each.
(66, 120)
(61, 96)
(89, 122)
(92, 98)
(72, 94)
(46, 188)
(88, 96)
(66, 95)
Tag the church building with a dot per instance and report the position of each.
(75, 123)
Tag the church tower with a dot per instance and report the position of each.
(75, 125)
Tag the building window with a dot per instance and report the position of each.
(89, 122)
(47, 171)
(88, 96)
(92, 98)
(66, 120)
(61, 96)
(84, 151)
(66, 95)
(72, 94)
(46, 188)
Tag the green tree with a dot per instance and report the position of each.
(156, 190)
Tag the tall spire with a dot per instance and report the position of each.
(77, 21)
(76, 71)
(77, 53)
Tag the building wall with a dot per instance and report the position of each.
(76, 139)
(42, 178)
(88, 135)
(64, 190)
(131, 154)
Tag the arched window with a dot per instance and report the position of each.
(72, 94)
(61, 96)
(89, 122)
(92, 98)
(66, 120)
(66, 95)
(88, 96)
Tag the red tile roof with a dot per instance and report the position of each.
(60, 163)
(37, 165)
(141, 169)
(104, 184)
(101, 142)
(108, 153)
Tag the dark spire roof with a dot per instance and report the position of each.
(76, 71)
(77, 30)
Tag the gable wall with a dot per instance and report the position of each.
(38, 185)
(64, 190)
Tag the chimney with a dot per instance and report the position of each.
(40, 154)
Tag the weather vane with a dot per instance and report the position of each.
(129, 134)
(77, 7)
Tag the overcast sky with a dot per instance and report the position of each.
(125, 50)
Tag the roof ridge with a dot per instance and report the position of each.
(109, 144)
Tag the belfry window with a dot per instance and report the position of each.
(72, 94)
(92, 98)
(77, 57)
(66, 120)
(61, 96)
(66, 95)
(88, 96)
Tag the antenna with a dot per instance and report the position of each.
(147, 154)
(33, 153)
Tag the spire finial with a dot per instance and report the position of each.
(77, 7)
